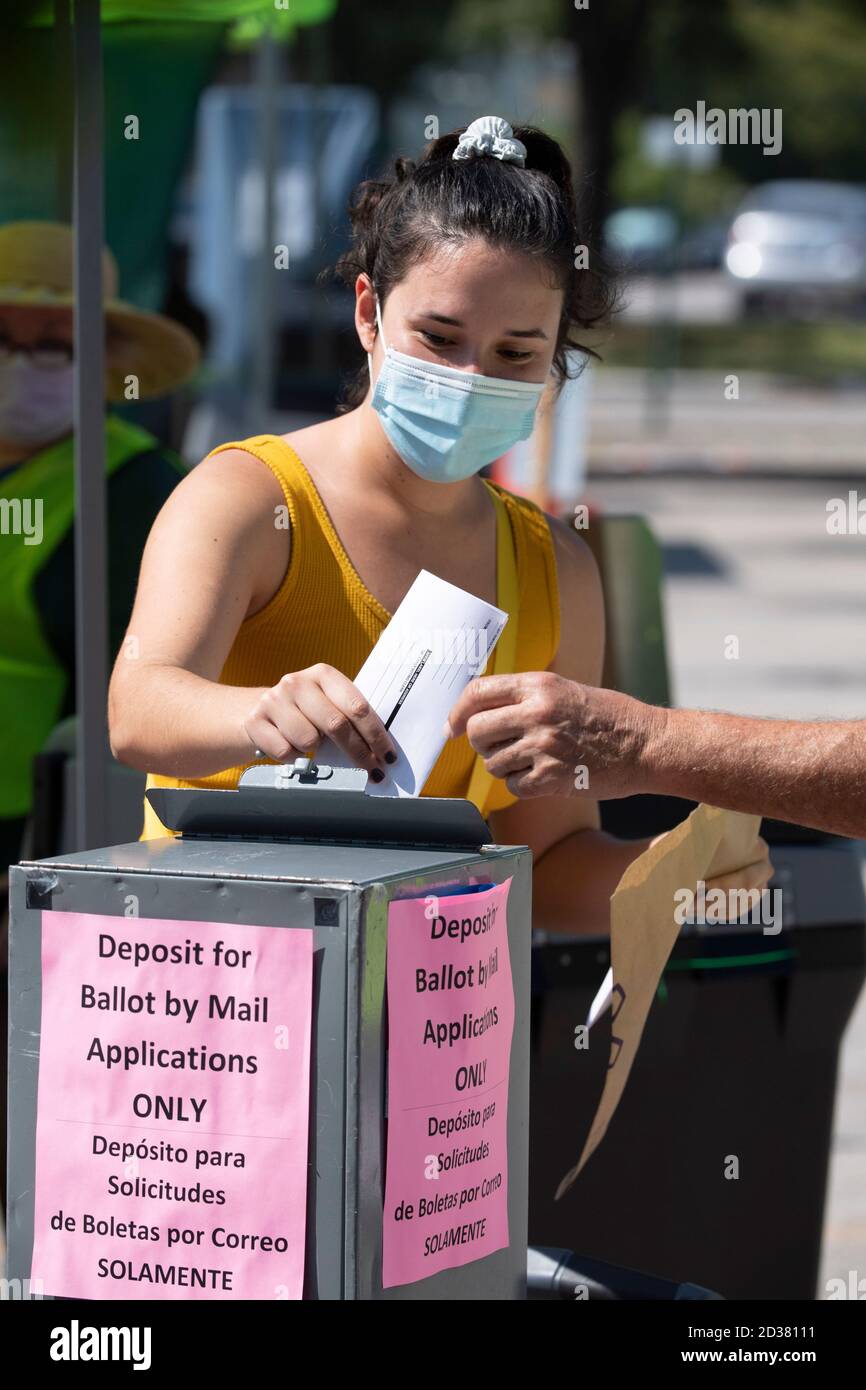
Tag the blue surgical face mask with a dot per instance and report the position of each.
(447, 424)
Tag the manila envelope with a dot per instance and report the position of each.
(643, 931)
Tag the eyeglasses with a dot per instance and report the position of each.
(48, 354)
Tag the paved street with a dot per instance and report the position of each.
(683, 419)
(752, 558)
(694, 296)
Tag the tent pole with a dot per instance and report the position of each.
(91, 607)
(63, 109)
(266, 280)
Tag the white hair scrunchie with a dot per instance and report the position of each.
(494, 136)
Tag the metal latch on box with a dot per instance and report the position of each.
(304, 772)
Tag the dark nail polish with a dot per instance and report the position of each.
(390, 757)
(377, 774)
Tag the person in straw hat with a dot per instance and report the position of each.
(146, 355)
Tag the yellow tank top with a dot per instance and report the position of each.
(323, 611)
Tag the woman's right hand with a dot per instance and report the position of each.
(289, 720)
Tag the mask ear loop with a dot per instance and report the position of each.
(382, 337)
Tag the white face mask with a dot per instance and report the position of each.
(36, 404)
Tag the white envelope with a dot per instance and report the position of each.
(439, 639)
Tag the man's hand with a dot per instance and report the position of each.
(544, 735)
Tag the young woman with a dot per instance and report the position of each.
(248, 630)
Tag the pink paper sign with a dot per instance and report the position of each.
(450, 1021)
(171, 1134)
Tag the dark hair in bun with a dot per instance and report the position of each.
(398, 221)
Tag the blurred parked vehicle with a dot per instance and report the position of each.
(703, 247)
(648, 241)
(800, 245)
(640, 240)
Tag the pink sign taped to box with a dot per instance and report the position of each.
(450, 1024)
(172, 1114)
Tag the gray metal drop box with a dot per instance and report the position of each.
(297, 847)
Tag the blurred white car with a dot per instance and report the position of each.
(800, 243)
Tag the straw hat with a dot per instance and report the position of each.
(36, 270)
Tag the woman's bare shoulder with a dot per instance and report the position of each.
(220, 521)
(230, 494)
(574, 558)
(236, 476)
(581, 606)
